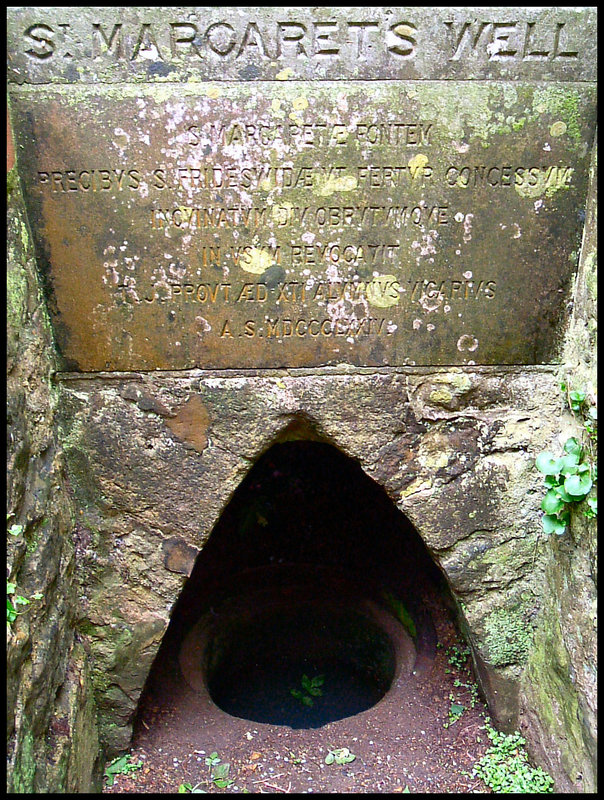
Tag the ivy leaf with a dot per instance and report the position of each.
(552, 502)
(116, 766)
(564, 495)
(547, 464)
(569, 464)
(551, 524)
(22, 601)
(341, 755)
(221, 771)
(573, 445)
(578, 485)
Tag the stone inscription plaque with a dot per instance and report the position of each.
(289, 223)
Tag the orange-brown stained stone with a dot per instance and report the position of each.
(10, 146)
(190, 423)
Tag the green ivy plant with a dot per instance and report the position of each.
(569, 479)
(13, 600)
(505, 767)
(122, 765)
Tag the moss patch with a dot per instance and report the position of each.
(508, 638)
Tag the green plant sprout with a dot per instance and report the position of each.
(457, 656)
(311, 687)
(212, 760)
(401, 613)
(471, 687)
(339, 755)
(219, 771)
(122, 765)
(570, 478)
(455, 711)
(188, 787)
(13, 600)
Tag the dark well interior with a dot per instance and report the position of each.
(307, 544)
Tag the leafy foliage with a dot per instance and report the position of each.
(569, 479)
(13, 600)
(505, 767)
(219, 771)
(310, 688)
(457, 656)
(401, 613)
(122, 765)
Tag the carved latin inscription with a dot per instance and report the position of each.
(298, 224)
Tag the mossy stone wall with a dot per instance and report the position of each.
(51, 720)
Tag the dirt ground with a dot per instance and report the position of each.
(402, 744)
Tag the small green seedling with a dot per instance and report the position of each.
(310, 686)
(187, 787)
(212, 760)
(401, 613)
(340, 755)
(471, 687)
(219, 772)
(13, 600)
(122, 765)
(220, 776)
(455, 712)
(457, 657)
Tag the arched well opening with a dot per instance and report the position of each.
(313, 598)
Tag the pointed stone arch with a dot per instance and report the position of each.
(304, 519)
